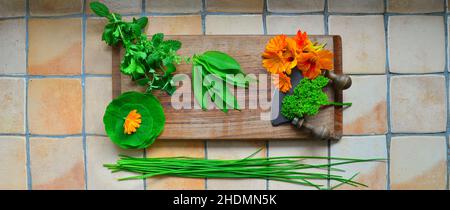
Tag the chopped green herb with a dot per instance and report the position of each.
(307, 99)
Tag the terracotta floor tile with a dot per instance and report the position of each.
(12, 43)
(12, 8)
(250, 6)
(312, 24)
(356, 6)
(289, 6)
(406, 54)
(98, 55)
(12, 105)
(372, 174)
(235, 150)
(119, 6)
(172, 148)
(54, 46)
(57, 163)
(55, 7)
(363, 42)
(175, 25)
(418, 162)
(174, 6)
(234, 24)
(54, 106)
(415, 6)
(98, 96)
(418, 104)
(100, 150)
(13, 173)
(368, 113)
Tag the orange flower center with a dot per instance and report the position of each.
(132, 122)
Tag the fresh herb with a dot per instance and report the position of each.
(134, 120)
(291, 169)
(307, 99)
(211, 72)
(149, 62)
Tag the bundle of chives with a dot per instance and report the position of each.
(290, 169)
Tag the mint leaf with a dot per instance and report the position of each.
(172, 44)
(99, 9)
(157, 39)
(142, 22)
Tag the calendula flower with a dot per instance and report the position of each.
(132, 122)
(282, 82)
(312, 63)
(280, 55)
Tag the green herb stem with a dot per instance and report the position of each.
(291, 169)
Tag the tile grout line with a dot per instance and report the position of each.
(80, 15)
(144, 151)
(264, 24)
(203, 16)
(326, 31)
(388, 97)
(83, 89)
(447, 90)
(27, 129)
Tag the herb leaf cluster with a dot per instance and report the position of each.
(149, 62)
(212, 72)
(307, 99)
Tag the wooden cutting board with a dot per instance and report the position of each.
(195, 124)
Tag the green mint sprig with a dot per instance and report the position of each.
(149, 62)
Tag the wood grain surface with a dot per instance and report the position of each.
(195, 124)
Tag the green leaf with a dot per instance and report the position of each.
(142, 22)
(99, 9)
(170, 68)
(157, 39)
(223, 94)
(130, 68)
(152, 116)
(172, 44)
(221, 61)
(198, 87)
(239, 79)
(143, 81)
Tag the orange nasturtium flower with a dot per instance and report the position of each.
(302, 40)
(280, 55)
(132, 122)
(312, 63)
(282, 82)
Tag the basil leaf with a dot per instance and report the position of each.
(99, 9)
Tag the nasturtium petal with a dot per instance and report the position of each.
(152, 116)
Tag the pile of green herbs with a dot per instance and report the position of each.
(307, 99)
(212, 73)
(149, 62)
(291, 169)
